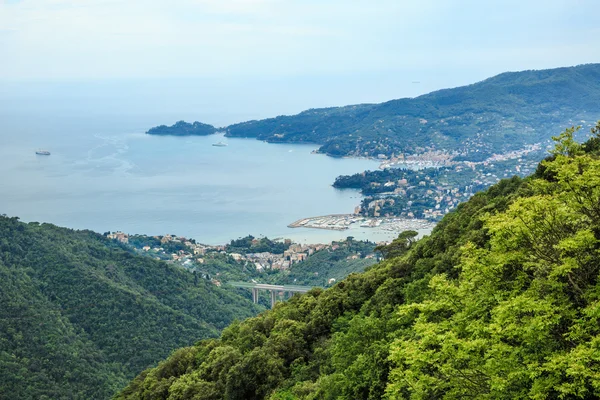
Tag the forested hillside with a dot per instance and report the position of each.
(182, 128)
(502, 300)
(80, 315)
(499, 114)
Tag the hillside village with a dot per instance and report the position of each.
(203, 259)
(400, 189)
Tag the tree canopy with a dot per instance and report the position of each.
(80, 315)
(500, 301)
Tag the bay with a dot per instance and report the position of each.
(105, 174)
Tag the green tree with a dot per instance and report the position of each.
(513, 325)
(399, 246)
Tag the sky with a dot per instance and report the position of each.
(230, 60)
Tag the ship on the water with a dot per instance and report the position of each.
(42, 152)
(220, 144)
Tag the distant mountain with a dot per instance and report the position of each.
(183, 128)
(81, 314)
(499, 114)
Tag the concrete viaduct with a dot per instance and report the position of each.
(273, 288)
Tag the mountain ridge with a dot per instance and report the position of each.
(501, 113)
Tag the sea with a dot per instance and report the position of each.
(105, 174)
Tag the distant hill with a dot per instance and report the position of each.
(498, 114)
(183, 128)
(81, 314)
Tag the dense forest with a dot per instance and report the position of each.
(81, 314)
(250, 244)
(499, 114)
(500, 301)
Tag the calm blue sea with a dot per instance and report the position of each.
(105, 174)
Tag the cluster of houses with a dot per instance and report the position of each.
(119, 236)
(191, 254)
(427, 159)
(440, 198)
(294, 254)
(435, 199)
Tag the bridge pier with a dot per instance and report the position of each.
(287, 291)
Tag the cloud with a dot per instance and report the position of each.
(98, 39)
(238, 7)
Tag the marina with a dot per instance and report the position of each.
(335, 222)
(341, 222)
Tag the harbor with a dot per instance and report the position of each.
(335, 222)
(341, 222)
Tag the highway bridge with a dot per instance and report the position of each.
(273, 288)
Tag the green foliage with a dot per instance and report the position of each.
(250, 244)
(326, 264)
(43, 355)
(82, 314)
(333, 343)
(399, 246)
(224, 267)
(170, 247)
(183, 128)
(500, 301)
(521, 319)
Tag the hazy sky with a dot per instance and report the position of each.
(265, 56)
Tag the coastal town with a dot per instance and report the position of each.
(409, 193)
(440, 158)
(428, 185)
(281, 256)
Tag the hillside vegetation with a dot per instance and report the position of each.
(501, 113)
(502, 300)
(182, 128)
(80, 315)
